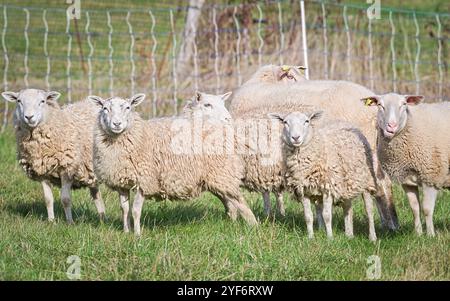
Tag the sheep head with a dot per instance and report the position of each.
(298, 127)
(116, 113)
(31, 105)
(392, 111)
(209, 106)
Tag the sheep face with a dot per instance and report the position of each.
(31, 105)
(392, 111)
(298, 127)
(288, 74)
(209, 106)
(116, 114)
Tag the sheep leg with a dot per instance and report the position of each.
(368, 204)
(348, 218)
(66, 198)
(48, 197)
(319, 216)
(137, 209)
(267, 204)
(97, 197)
(244, 210)
(229, 208)
(412, 193)
(429, 199)
(125, 205)
(308, 216)
(384, 199)
(280, 203)
(327, 214)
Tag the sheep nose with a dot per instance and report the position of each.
(29, 117)
(295, 138)
(117, 123)
(392, 125)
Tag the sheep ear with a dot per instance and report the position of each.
(10, 96)
(226, 96)
(53, 96)
(314, 116)
(414, 99)
(97, 100)
(276, 116)
(371, 100)
(136, 100)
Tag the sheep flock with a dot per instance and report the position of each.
(323, 142)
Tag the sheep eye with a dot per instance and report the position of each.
(307, 121)
(19, 101)
(128, 107)
(208, 105)
(105, 109)
(42, 101)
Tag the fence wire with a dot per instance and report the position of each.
(135, 50)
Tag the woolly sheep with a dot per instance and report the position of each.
(54, 145)
(339, 100)
(329, 164)
(260, 146)
(414, 148)
(158, 159)
(272, 74)
(204, 105)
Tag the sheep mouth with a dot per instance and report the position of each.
(389, 133)
(116, 130)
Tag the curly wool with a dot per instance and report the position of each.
(337, 162)
(421, 151)
(264, 170)
(143, 156)
(339, 100)
(61, 145)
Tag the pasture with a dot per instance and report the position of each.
(196, 241)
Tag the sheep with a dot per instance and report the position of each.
(204, 105)
(54, 145)
(258, 141)
(340, 100)
(329, 164)
(272, 74)
(414, 148)
(160, 161)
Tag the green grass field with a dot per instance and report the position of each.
(195, 240)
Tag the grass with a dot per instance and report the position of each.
(195, 240)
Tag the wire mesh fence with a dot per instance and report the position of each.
(121, 52)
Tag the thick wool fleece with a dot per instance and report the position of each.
(421, 151)
(264, 168)
(61, 144)
(143, 156)
(337, 161)
(339, 99)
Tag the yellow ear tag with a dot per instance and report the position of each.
(285, 68)
(368, 101)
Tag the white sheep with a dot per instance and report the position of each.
(165, 158)
(339, 100)
(273, 74)
(329, 164)
(206, 106)
(414, 148)
(54, 145)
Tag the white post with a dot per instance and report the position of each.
(305, 46)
